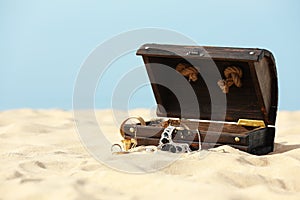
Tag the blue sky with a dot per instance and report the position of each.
(44, 43)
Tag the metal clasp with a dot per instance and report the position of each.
(194, 52)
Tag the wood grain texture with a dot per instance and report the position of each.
(257, 150)
(209, 133)
(256, 99)
(217, 53)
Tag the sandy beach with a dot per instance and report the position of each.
(42, 157)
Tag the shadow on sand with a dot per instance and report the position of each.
(282, 147)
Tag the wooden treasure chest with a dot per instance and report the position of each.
(207, 97)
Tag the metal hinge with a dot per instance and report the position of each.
(252, 123)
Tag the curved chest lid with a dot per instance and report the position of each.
(175, 70)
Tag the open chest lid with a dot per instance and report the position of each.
(245, 77)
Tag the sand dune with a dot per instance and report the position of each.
(42, 157)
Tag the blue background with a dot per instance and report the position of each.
(44, 43)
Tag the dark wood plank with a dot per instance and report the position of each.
(256, 99)
(241, 102)
(204, 52)
(209, 132)
(194, 146)
(274, 87)
(260, 150)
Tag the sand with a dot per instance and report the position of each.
(42, 157)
